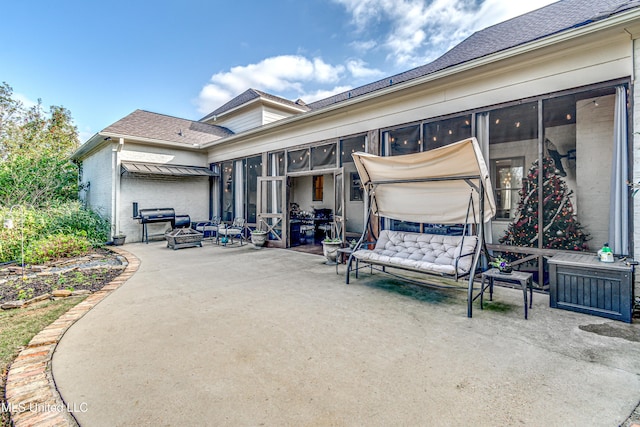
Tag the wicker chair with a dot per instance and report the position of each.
(229, 233)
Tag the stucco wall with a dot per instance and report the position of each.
(97, 172)
(188, 196)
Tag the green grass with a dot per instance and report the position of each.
(19, 326)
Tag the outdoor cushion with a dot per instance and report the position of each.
(421, 252)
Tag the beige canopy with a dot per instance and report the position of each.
(430, 187)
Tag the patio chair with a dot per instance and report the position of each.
(229, 233)
(209, 229)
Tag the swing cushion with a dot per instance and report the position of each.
(430, 253)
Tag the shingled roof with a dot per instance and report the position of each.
(540, 23)
(150, 125)
(250, 95)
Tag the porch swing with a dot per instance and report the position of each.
(447, 185)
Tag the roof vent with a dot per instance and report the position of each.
(390, 82)
(180, 132)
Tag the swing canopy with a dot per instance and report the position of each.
(435, 186)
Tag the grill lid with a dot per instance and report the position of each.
(157, 215)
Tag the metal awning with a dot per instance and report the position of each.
(138, 168)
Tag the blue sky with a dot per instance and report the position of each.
(103, 60)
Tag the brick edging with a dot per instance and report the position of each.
(31, 392)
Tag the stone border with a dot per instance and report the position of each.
(31, 392)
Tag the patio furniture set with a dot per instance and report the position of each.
(450, 185)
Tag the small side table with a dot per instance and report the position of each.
(522, 278)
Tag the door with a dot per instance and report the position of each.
(271, 215)
(339, 216)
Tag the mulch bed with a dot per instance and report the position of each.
(90, 272)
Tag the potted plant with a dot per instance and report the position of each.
(258, 237)
(330, 248)
(502, 265)
(118, 239)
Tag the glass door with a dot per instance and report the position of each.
(271, 214)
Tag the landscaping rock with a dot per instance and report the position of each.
(61, 293)
(12, 304)
(38, 299)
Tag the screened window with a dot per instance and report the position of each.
(514, 124)
(276, 164)
(404, 140)
(349, 146)
(513, 147)
(323, 156)
(443, 132)
(298, 160)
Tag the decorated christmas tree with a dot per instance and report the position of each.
(560, 228)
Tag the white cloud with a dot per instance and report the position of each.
(292, 76)
(279, 74)
(358, 69)
(417, 31)
(411, 32)
(362, 46)
(324, 93)
(495, 11)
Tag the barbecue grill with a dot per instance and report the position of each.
(159, 215)
(182, 221)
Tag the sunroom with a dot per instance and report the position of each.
(580, 202)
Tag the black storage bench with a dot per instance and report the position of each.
(581, 282)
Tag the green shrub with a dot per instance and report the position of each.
(72, 218)
(25, 228)
(54, 247)
(37, 224)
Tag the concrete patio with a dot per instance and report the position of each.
(238, 336)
